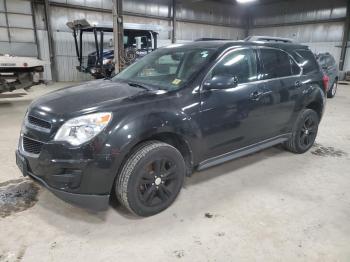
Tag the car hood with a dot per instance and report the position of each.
(87, 97)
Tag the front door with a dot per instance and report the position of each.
(232, 118)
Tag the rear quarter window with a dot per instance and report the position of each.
(277, 63)
(307, 60)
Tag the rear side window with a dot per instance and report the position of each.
(308, 61)
(277, 64)
(330, 61)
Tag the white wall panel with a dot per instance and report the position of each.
(23, 21)
(22, 35)
(2, 19)
(2, 7)
(3, 35)
(190, 31)
(19, 6)
(44, 53)
(321, 32)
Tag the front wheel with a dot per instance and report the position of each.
(304, 132)
(151, 178)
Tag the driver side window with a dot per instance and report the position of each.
(241, 64)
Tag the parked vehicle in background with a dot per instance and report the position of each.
(138, 40)
(182, 108)
(330, 69)
(19, 72)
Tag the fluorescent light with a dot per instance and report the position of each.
(245, 1)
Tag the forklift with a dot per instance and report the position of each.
(138, 41)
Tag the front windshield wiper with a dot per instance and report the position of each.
(139, 85)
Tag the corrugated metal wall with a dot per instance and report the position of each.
(195, 20)
(66, 60)
(16, 28)
(322, 31)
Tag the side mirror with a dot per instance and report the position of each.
(221, 82)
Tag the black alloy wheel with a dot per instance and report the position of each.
(304, 132)
(151, 178)
(308, 132)
(159, 182)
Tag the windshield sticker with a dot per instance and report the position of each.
(204, 54)
(176, 81)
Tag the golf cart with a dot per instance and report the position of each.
(19, 72)
(139, 40)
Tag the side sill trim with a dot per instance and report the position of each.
(243, 151)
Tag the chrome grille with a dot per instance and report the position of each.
(39, 122)
(32, 146)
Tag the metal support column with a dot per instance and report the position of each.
(118, 34)
(344, 45)
(50, 38)
(247, 25)
(173, 36)
(32, 5)
(7, 22)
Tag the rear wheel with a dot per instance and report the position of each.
(151, 178)
(304, 132)
(331, 92)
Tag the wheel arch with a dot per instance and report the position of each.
(317, 106)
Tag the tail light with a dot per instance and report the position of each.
(325, 80)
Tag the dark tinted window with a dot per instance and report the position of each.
(240, 63)
(330, 61)
(307, 60)
(278, 64)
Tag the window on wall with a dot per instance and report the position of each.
(240, 63)
(277, 63)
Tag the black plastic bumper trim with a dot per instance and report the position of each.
(92, 202)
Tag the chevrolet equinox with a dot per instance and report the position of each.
(182, 108)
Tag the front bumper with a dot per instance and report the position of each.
(93, 202)
(81, 181)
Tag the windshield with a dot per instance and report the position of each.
(167, 68)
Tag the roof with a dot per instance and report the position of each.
(228, 43)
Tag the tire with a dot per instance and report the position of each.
(333, 90)
(304, 132)
(151, 178)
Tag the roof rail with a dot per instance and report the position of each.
(209, 39)
(269, 39)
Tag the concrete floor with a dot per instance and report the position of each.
(270, 206)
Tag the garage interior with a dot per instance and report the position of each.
(269, 206)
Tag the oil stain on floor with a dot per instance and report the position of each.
(320, 150)
(17, 195)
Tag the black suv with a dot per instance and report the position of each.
(330, 69)
(181, 108)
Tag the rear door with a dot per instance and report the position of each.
(332, 69)
(282, 77)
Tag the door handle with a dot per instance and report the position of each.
(256, 95)
(298, 84)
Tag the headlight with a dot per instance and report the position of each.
(81, 129)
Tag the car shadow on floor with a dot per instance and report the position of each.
(12, 95)
(61, 208)
(232, 166)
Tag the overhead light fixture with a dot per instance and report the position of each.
(245, 1)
